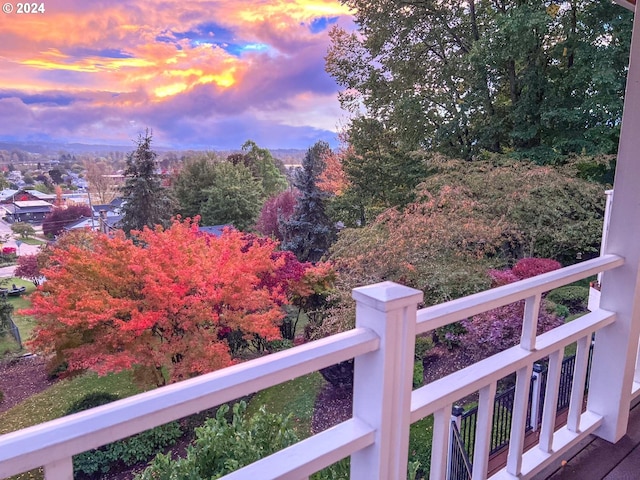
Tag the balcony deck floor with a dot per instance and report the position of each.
(601, 460)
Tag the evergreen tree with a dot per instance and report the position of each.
(147, 202)
(309, 232)
(191, 184)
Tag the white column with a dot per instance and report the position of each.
(383, 379)
(615, 349)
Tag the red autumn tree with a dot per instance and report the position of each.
(276, 210)
(159, 305)
(29, 268)
(54, 223)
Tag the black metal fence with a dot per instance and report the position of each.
(459, 462)
(503, 408)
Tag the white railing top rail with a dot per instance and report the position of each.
(447, 390)
(443, 314)
(61, 438)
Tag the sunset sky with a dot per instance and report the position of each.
(200, 74)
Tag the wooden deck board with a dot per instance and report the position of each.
(603, 460)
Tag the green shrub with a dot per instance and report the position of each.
(562, 311)
(138, 448)
(222, 447)
(423, 345)
(418, 373)
(1, 396)
(130, 450)
(573, 297)
(279, 345)
(91, 400)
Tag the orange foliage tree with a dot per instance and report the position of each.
(333, 178)
(161, 305)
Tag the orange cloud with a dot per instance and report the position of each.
(128, 56)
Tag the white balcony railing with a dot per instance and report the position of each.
(377, 435)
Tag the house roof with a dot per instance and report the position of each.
(113, 221)
(39, 195)
(32, 203)
(117, 202)
(110, 209)
(215, 230)
(81, 223)
(7, 193)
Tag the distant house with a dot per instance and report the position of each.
(83, 223)
(215, 230)
(102, 222)
(31, 194)
(30, 211)
(6, 195)
(110, 209)
(117, 204)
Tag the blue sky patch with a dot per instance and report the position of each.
(321, 24)
(104, 53)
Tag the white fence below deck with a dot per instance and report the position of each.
(376, 437)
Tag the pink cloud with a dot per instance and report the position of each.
(202, 65)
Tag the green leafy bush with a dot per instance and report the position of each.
(279, 345)
(562, 311)
(91, 400)
(222, 447)
(423, 345)
(130, 450)
(418, 373)
(1, 396)
(573, 297)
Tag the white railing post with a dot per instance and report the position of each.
(383, 379)
(616, 345)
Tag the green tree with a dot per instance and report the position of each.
(234, 197)
(465, 76)
(23, 229)
(190, 185)
(263, 167)
(546, 211)
(309, 232)
(147, 201)
(379, 170)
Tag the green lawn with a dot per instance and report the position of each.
(24, 323)
(297, 397)
(53, 402)
(32, 241)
